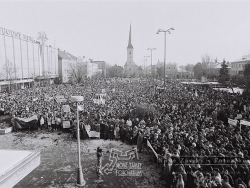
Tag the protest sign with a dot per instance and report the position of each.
(66, 108)
(232, 122)
(66, 124)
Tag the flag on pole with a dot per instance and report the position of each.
(80, 107)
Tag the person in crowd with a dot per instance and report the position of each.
(187, 120)
(139, 141)
(180, 183)
(41, 122)
(117, 132)
(111, 132)
(225, 182)
(49, 121)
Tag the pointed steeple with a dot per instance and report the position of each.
(129, 40)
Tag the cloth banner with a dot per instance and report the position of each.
(94, 134)
(22, 123)
(66, 124)
(66, 108)
(232, 122)
(150, 146)
(243, 122)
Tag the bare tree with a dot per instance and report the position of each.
(9, 72)
(77, 72)
(208, 64)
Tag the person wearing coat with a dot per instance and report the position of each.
(111, 132)
(106, 131)
(139, 141)
(122, 133)
(41, 122)
(180, 182)
(116, 132)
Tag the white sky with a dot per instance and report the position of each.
(99, 29)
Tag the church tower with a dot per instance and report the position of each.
(130, 66)
(130, 48)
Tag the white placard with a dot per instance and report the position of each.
(232, 122)
(66, 108)
(66, 124)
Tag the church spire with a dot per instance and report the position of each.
(129, 40)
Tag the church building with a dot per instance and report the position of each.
(130, 68)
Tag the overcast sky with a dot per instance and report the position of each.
(99, 29)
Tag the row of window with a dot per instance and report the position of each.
(236, 72)
(236, 65)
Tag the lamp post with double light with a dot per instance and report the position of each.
(165, 31)
(80, 180)
(146, 57)
(151, 49)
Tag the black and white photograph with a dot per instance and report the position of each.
(124, 94)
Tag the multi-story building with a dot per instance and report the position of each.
(237, 67)
(101, 67)
(92, 69)
(66, 64)
(24, 59)
(171, 69)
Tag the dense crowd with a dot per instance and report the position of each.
(187, 125)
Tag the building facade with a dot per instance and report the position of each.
(24, 58)
(171, 69)
(92, 69)
(101, 68)
(66, 63)
(130, 68)
(237, 67)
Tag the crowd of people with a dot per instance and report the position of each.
(187, 125)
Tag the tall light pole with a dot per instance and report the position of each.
(151, 49)
(165, 31)
(146, 65)
(80, 180)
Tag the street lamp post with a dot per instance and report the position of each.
(146, 65)
(80, 180)
(151, 49)
(165, 31)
